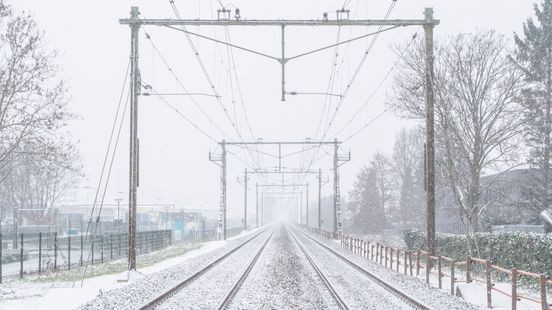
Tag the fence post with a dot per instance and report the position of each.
(81, 248)
(55, 250)
(377, 252)
(39, 253)
(418, 263)
(21, 258)
(398, 260)
(102, 249)
(410, 261)
(405, 261)
(69, 252)
(111, 246)
(514, 289)
(386, 256)
(92, 250)
(1, 248)
(452, 279)
(544, 304)
(427, 267)
(440, 271)
(489, 283)
(372, 252)
(468, 267)
(391, 258)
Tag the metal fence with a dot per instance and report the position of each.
(36, 253)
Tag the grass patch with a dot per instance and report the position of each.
(117, 266)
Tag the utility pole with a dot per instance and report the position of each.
(338, 161)
(301, 208)
(221, 162)
(245, 202)
(257, 205)
(134, 148)
(307, 206)
(319, 198)
(263, 218)
(430, 131)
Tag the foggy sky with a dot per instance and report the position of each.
(174, 155)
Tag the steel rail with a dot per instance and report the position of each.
(171, 291)
(225, 303)
(395, 291)
(339, 301)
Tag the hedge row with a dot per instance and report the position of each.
(520, 250)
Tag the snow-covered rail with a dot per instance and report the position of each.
(159, 299)
(230, 296)
(393, 290)
(338, 299)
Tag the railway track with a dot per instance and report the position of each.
(227, 301)
(393, 290)
(338, 300)
(159, 299)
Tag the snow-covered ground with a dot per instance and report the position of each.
(32, 293)
(282, 278)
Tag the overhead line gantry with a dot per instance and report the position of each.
(135, 22)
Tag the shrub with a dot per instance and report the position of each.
(520, 250)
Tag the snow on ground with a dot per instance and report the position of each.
(282, 279)
(33, 293)
(147, 287)
(209, 290)
(413, 287)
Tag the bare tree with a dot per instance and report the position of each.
(407, 171)
(37, 156)
(33, 100)
(478, 121)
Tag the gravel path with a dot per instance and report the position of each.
(137, 293)
(432, 297)
(282, 279)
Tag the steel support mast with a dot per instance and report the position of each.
(430, 130)
(133, 162)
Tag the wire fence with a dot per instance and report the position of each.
(37, 253)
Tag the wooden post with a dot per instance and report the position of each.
(398, 259)
(489, 283)
(410, 260)
(81, 249)
(68, 252)
(440, 271)
(452, 279)
(514, 289)
(55, 250)
(427, 267)
(377, 252)
(405, 260)
(468, 267)
(418, 263)
(39, 253)
(21, 258)
(544, 305)
(391, 258)
(386, 256)
(372, 252)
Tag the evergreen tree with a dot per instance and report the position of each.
(533, 55)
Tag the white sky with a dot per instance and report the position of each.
(174, 156)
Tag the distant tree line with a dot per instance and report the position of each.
(493, 114)
(38, 159)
